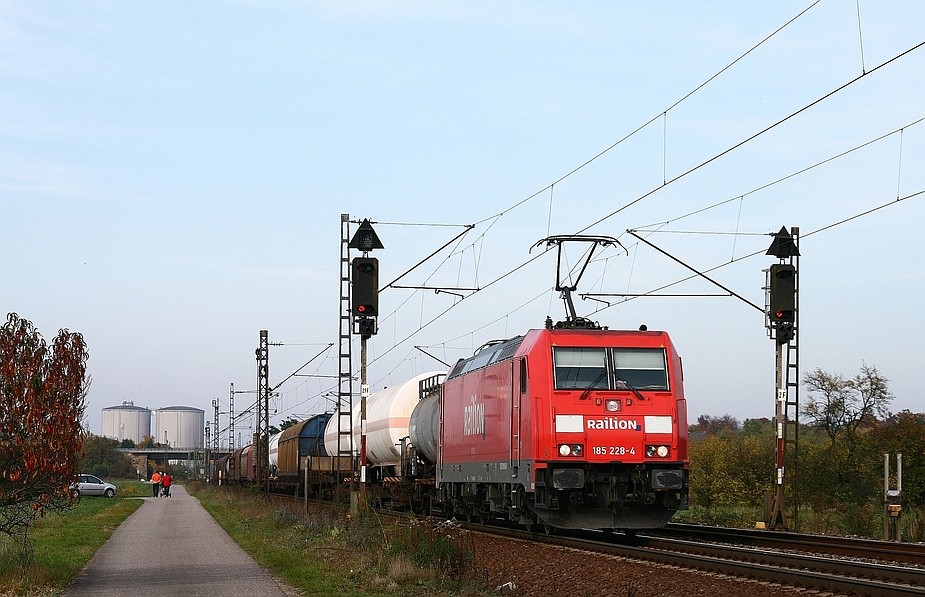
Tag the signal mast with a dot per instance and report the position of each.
(782, 318)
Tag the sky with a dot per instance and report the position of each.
(173, 178)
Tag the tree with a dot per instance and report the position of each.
(102, 458)
(840, 406)
(709, 425)
(283, 426)
(730, 469)
(42, 395)
(845, 409)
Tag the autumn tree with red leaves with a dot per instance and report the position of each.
(42, 393)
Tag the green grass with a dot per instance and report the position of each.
(64, 543)
(329, 553)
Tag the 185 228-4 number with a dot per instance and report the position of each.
(613, 450)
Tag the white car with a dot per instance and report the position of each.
(92, 485)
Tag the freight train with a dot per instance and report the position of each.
(568, 426)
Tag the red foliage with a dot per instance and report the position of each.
(41, 408)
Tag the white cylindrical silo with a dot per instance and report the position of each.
(126, 421)
(180, 427)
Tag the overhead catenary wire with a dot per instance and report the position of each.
(803, 236)
(786, 177)
(661, 114)
(676, 178)
(752, 137)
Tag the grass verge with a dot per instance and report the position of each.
(64, 543)
(327, 552)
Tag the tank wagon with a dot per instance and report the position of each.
(397, 478)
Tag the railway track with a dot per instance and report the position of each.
(834, 564)
(808, 568)
(868, 549)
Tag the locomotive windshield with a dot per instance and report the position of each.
(580, 368)
(610, 368)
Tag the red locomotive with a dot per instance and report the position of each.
(570, 428)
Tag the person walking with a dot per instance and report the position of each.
(156, 482)
(166, 481)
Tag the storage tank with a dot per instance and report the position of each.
(126, 422)
(181, 427)
(388, 413)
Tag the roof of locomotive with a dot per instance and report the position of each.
(499, 350)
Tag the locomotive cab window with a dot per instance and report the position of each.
(580, 368)
(610, 368)
(640, 369)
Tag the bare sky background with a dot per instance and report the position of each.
(172, 179)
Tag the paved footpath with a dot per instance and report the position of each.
(172, 546)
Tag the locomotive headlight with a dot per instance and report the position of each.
(612, 405)
(571, 449)
(657, 451)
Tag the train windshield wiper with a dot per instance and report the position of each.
(593, 385)
(627, 386)
(622, 384)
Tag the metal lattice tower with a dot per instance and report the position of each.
(215, 439)
(262, 433)
(231, 419)
(345, 368)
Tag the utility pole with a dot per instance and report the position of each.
(208, 445)
(782, 320)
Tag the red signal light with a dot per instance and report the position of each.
(782, 315)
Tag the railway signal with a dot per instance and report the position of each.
(365, 286)
(782, 292)
(364, 278)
